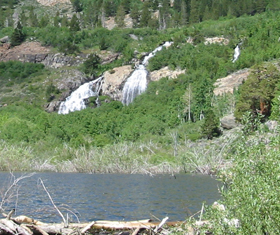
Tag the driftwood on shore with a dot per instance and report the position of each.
(23, 225)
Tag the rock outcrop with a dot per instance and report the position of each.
(67, 81)
(52, 2)
(228, 122)
(165, 72)
(231, 82)
(114, 81)
(34, 52)
(26, 52)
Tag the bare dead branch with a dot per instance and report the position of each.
(59, 212)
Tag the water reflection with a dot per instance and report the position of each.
(113, 196)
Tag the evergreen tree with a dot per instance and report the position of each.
(135, 15)
(126, 5)
(257, 92)
(91, 64)
(260, 5)
(177, 5)
(109, 7)
(64, 21)
(145, 15)
(44, 21)
(120, 16)
(207, 15)
(164, 14)
(56, 20)
(74, 23)
(23, 18)
(91, 15)
(33, 20)
(17, 37)
(194, 12)
(2, 18)
(77, 5)
(184, 14)
(210, 127)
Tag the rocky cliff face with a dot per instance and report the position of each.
(114, 81)
(230, 82)
(165, 72)
(66, 81)
(34, 52)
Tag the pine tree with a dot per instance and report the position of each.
(184, 14)
(33, 20)
(120, 16)
(135, 15)
(146, 15)
(56, 20)
(177, 5)
(74, 23)
(126, 5)
(194, 12)
(23, 18)
(44, 21)
(164, 14)
(91, 64)
(64, 21)
(91, 15)
(210, 127)
(17, 37)
(77, 5)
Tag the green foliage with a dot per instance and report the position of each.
(18, 36)
(68, 46)
(15, 71)
(51, 91)
(258, 91)
(74, 23)
(251, 186)
(77, 5)
(91, 65)
(210, 127)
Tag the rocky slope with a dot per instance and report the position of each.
(230, 82)
(67, 80)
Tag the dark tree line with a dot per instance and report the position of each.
(159, 14)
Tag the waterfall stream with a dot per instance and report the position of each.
(137, 82)
(236, 53)
(134, 85)
(75, 102)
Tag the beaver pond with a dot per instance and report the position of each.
(90, 197)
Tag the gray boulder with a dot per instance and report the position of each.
(5, 39)
(228, 122)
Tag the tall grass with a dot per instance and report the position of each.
(145, 157)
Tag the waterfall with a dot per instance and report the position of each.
(236, 53)
(75, 102)
(137, 82)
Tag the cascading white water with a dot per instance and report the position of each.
(137, 82)
(75, 102)
(236, 53)
(135, 85)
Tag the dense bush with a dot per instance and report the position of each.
(251, 191)
(15, 71)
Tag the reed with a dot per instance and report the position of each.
(145, 157)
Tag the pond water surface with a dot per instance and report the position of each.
(112, 196)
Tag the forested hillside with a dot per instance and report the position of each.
(168, 106)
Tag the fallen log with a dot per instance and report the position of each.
(23, 225)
